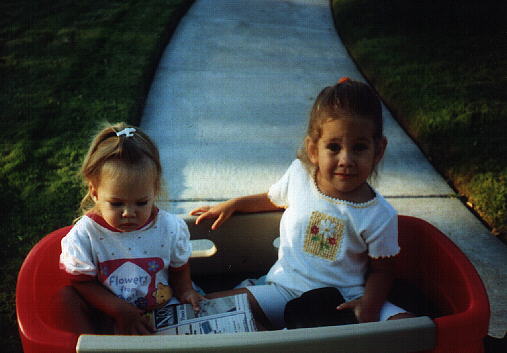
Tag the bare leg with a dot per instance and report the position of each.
(74, 313)
(401, 316)
(261, 320)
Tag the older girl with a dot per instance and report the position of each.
(336, 228)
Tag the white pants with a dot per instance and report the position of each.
(272, 298)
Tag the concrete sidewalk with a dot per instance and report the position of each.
(228, 109)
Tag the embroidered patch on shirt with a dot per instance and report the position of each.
(324, 236)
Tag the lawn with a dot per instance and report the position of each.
(440, 66)
(66, 66)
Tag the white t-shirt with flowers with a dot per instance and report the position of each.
(133, 265)
(326, 242)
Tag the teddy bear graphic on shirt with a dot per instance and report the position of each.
(163, 293)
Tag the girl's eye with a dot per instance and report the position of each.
(116, 204)
(142, 203)
(333, 147)
(360, 147)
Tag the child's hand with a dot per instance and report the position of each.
(132, 321)
(192, 297)
(220, 212)
(363, 311)
(224, 210)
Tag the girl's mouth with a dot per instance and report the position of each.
(344, 175)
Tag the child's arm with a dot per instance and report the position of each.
(181, 283)
(222, 211)
(128, 318)
(377, 287)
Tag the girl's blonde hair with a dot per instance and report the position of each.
(346, 99)
(133, 151)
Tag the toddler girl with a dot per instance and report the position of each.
(336, 231)
(124, 256)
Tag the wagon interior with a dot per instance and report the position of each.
(433, 280)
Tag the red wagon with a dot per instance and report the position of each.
(429, 261)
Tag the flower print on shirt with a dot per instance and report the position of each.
(153, 266)
(323, 236)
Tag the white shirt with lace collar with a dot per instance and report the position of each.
(326, 242)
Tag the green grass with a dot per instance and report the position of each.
(441, 68)
(66, 66)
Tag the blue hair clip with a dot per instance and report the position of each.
(128, 132)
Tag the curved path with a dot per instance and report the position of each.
(229, 105)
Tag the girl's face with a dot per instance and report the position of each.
(125, 203)
(345, 156)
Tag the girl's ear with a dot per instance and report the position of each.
(380, 150)
(93, 192)
(311, 150)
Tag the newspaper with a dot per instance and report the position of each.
(221, 315)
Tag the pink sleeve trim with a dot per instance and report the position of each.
(178, 269)
(80, 278)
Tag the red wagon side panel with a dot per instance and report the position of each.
(449, 279)
(38, 280)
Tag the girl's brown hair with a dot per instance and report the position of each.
(346, 99)
(136, 153)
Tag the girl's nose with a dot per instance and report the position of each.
(345, 158)
(128, 212)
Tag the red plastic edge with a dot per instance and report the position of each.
(460, 332)
(36, 335)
